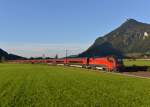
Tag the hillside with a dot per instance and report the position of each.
(5, 55)
(132, 38)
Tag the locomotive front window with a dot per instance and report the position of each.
(120, 61)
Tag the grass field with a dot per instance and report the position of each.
(23, 85)
(137, 62)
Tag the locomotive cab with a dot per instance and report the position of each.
(118, 63)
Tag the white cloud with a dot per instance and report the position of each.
(50, 50)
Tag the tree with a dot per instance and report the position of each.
(2, 59)
(56, 57)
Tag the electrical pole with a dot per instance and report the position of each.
(43, 56)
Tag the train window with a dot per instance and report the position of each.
(75, 61)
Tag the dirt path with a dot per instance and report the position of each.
(139, 74)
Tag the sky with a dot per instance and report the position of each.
(37, 27)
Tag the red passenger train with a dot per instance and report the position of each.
(108, 63)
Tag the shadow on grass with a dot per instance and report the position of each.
(135, 68)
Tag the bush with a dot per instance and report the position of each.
(148, 69)
(2, 59)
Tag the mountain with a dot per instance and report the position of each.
(5, 55)
(15, 57)
(131, 39)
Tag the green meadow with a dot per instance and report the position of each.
(27, 85)
(136, 62)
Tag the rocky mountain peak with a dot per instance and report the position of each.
(131, 21)
(131, 37)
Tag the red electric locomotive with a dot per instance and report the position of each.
(105, 63)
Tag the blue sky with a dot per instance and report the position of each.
(36, 27)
